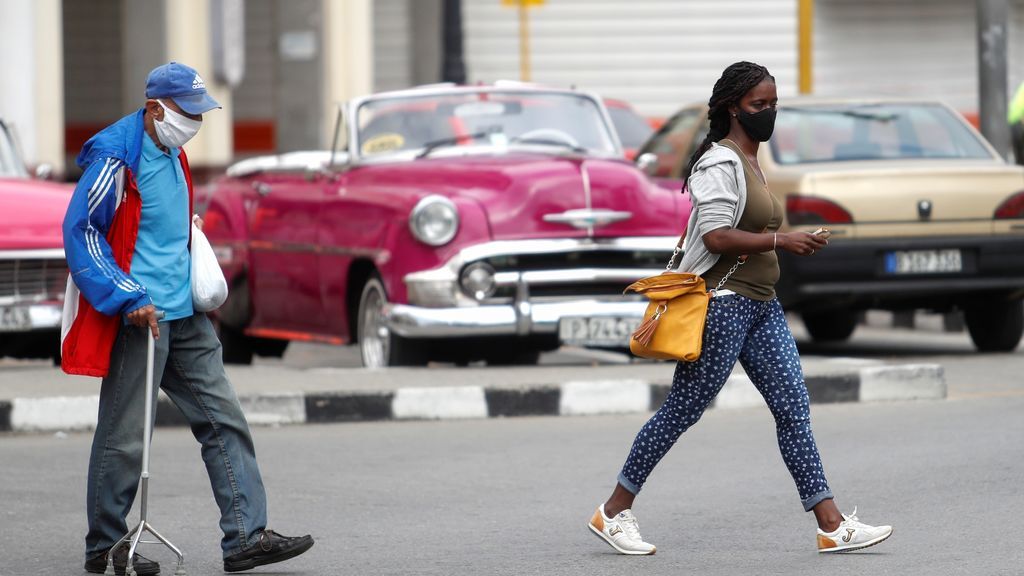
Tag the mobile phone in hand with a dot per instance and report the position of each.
(823, 233)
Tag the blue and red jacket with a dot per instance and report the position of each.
(100, 229)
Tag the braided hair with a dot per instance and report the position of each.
(736, 80)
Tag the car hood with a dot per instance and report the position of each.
(541, 196)
(33, 213)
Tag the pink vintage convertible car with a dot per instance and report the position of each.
(449, 223)
(33, 272)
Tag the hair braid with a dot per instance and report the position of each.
(736, 80)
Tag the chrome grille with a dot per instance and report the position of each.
(32, 280)
(571, 274)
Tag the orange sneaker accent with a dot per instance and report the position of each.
(824, 542)
(597, 521)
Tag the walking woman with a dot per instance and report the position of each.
(733, 235)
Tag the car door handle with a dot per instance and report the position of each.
(261, 188)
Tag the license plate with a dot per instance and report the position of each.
(607, 332)
(923, 261)
(15, 319)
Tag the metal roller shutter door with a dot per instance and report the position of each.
(656, 54)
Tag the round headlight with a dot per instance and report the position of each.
(434, 220)
(477, 280)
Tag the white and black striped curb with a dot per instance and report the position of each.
(574, 398)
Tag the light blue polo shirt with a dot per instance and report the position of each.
(161, 262)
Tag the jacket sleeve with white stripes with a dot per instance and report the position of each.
(108, 288)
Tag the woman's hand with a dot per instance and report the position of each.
(800, 243)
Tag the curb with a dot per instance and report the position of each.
(573, 398)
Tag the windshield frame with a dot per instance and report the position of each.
(354, 107)
(866, 107)
(10, 143)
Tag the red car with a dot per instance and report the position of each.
(632, 129)
(450, 223)
(33, 273)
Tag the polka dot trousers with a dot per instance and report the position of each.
(756, 334)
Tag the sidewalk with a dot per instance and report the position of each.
(36, 397)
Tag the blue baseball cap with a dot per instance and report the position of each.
(182, 84)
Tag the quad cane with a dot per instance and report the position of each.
(134, 536)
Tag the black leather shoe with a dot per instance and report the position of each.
(270, 548)
(143, 566)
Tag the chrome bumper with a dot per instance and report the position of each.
(28, 317)
(439, 309)
(520, 319)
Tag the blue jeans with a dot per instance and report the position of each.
(189, 368)
(756, 334)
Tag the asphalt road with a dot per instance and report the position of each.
(875, 339)
(512, 496)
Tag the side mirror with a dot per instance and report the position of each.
(44, 172)
(647, 163)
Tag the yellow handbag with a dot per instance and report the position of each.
(673, 325)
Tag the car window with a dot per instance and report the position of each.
(871, 132)
(395, 124)
(633, 130)
(10, 162)
(674, 141)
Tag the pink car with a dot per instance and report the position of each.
(33, 273)
(450, 223)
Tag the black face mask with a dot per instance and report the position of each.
(758, 126)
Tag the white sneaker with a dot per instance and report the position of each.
(621, 532)
(851, 535)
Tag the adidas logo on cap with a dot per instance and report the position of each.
(197, 83)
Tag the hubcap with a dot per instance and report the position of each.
(374, 335)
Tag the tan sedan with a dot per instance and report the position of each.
(924, 213)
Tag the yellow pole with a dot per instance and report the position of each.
(524, 41)
(805, 41)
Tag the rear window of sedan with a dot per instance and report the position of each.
(872, 132)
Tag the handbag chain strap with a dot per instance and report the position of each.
(740, 260)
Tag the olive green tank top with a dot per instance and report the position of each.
(763, 212)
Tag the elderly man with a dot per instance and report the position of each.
(126, 235)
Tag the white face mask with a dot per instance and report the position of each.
(175, 129)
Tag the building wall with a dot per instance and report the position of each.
(659, 54)
(906, 48)
(392, 41)
(253, 112)
(656, 54)
(31, 66)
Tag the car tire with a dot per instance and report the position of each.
(269, 347)
(236, 347)
(378, 346)
(830, 325)
(995, 326)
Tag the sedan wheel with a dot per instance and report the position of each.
(830, 325)
(377, 345)
(236, 347)
(995, 326)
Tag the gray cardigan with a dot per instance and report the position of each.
(718, 189)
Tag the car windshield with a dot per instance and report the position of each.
(872, 132)
(426, 122)
(10, 162)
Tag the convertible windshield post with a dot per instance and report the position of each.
(10, 156)
(339, 131)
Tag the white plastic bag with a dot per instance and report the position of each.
(209, 288)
